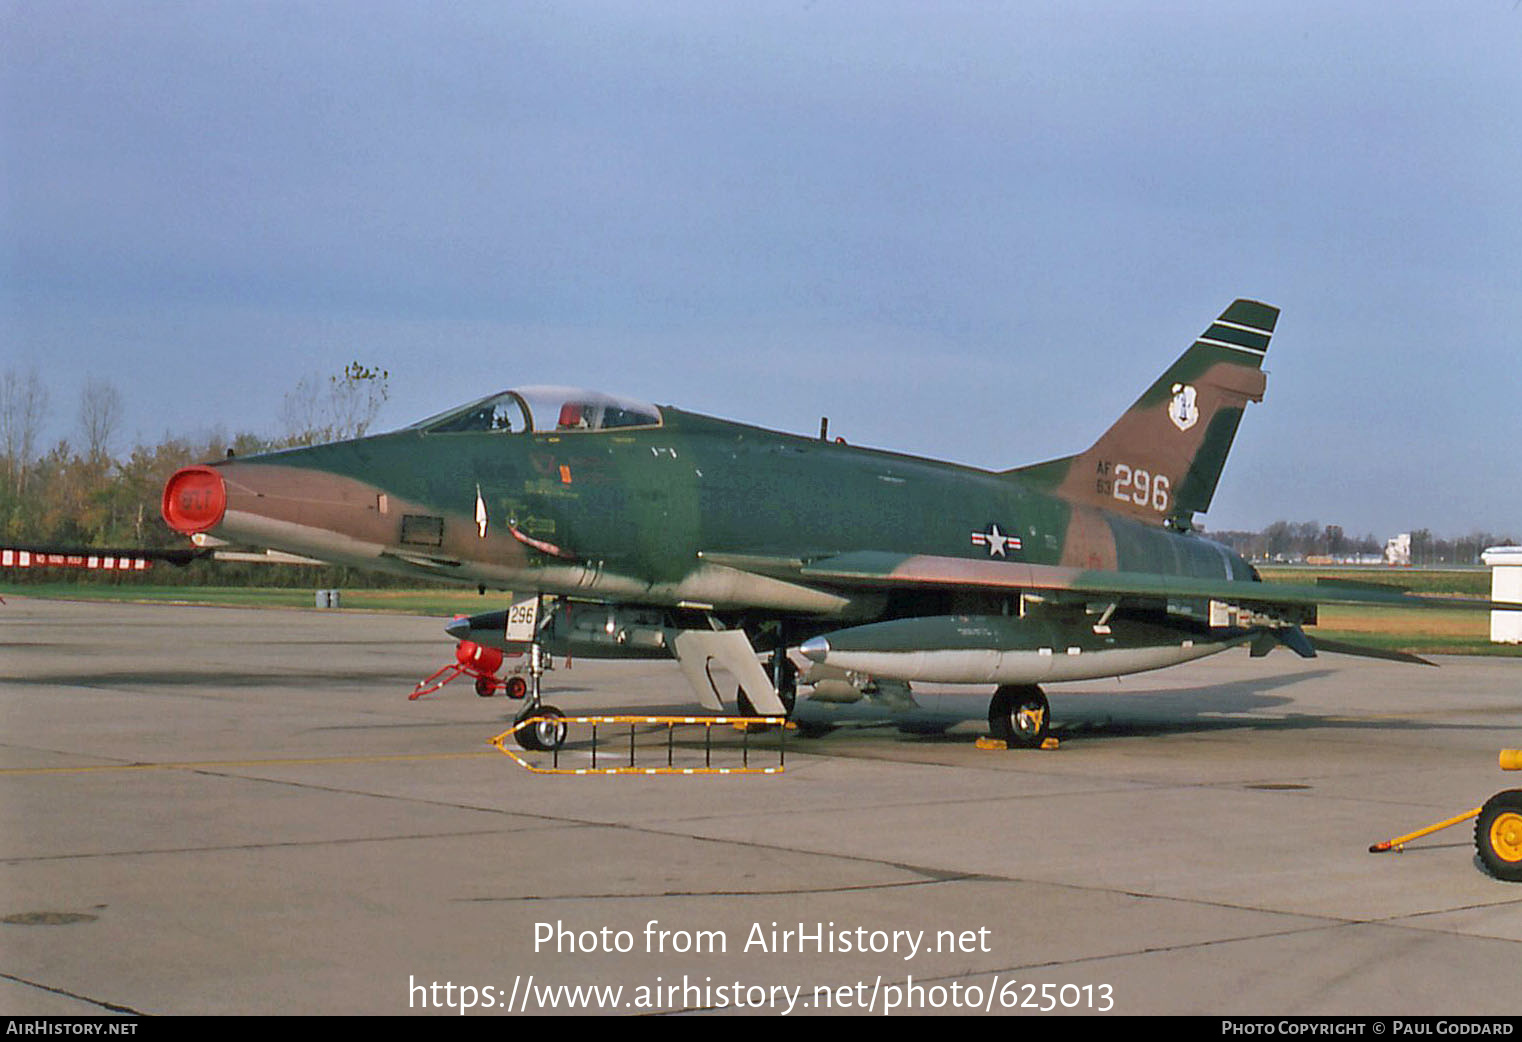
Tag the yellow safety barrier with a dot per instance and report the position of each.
(743, 724)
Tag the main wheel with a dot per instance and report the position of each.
(1498, 835)
(744, 707)
(1020, 715)
(787, 684)
(787, 691)
(546, 733)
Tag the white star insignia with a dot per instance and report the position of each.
(996, 541)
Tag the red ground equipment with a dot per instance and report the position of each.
(472, 659)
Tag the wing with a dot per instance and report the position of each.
(1275, 610)
(879, 568)
(883, 569)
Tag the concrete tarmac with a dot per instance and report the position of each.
(219, 811)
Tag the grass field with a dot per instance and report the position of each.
(1450, 631)
(1458, 582)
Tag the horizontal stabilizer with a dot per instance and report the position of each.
(1337, 647)
(1359, 584)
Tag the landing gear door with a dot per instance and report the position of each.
(523, 620)
(698, 651)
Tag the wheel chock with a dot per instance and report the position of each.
(998, 744)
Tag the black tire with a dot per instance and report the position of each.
(1498, 835)
(526, 737)
(788, 693)
(743, 706)
(789, 696)
(546, 733)
(516, 687)
(486, 686)
(1020, 715)
(788, 690)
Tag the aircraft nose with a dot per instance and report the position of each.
(485, 628)
(195, 498)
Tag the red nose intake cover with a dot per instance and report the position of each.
(194, 500)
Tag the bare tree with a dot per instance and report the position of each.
(23, 403)
(344, 407)
(100, 414)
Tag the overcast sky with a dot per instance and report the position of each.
(973, 231)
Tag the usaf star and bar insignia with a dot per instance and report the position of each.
(997, 542)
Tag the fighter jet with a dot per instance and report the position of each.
(627, 529)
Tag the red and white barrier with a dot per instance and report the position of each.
(12, 558)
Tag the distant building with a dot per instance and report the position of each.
(1398, 550)
(1505, 585)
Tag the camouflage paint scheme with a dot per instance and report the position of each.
(878, 564)
(638, 509)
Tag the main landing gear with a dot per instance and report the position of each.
(1020, 715)
(548, 731)
(784, 678)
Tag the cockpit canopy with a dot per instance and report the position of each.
(544, 410)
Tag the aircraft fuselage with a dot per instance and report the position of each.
(641, 515)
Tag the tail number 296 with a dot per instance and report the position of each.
(1134, 485)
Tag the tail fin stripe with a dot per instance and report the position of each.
(1239, 337)
(1245, 328)
(1254, 351)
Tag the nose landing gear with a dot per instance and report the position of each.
(549, 731)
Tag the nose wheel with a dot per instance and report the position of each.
(548, 730)
(546, 733)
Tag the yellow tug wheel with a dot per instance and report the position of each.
(1498, 835)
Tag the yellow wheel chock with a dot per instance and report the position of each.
(1497, 830)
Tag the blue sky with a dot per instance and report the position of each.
(974, 231)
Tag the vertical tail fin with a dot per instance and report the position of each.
(1162, 459)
